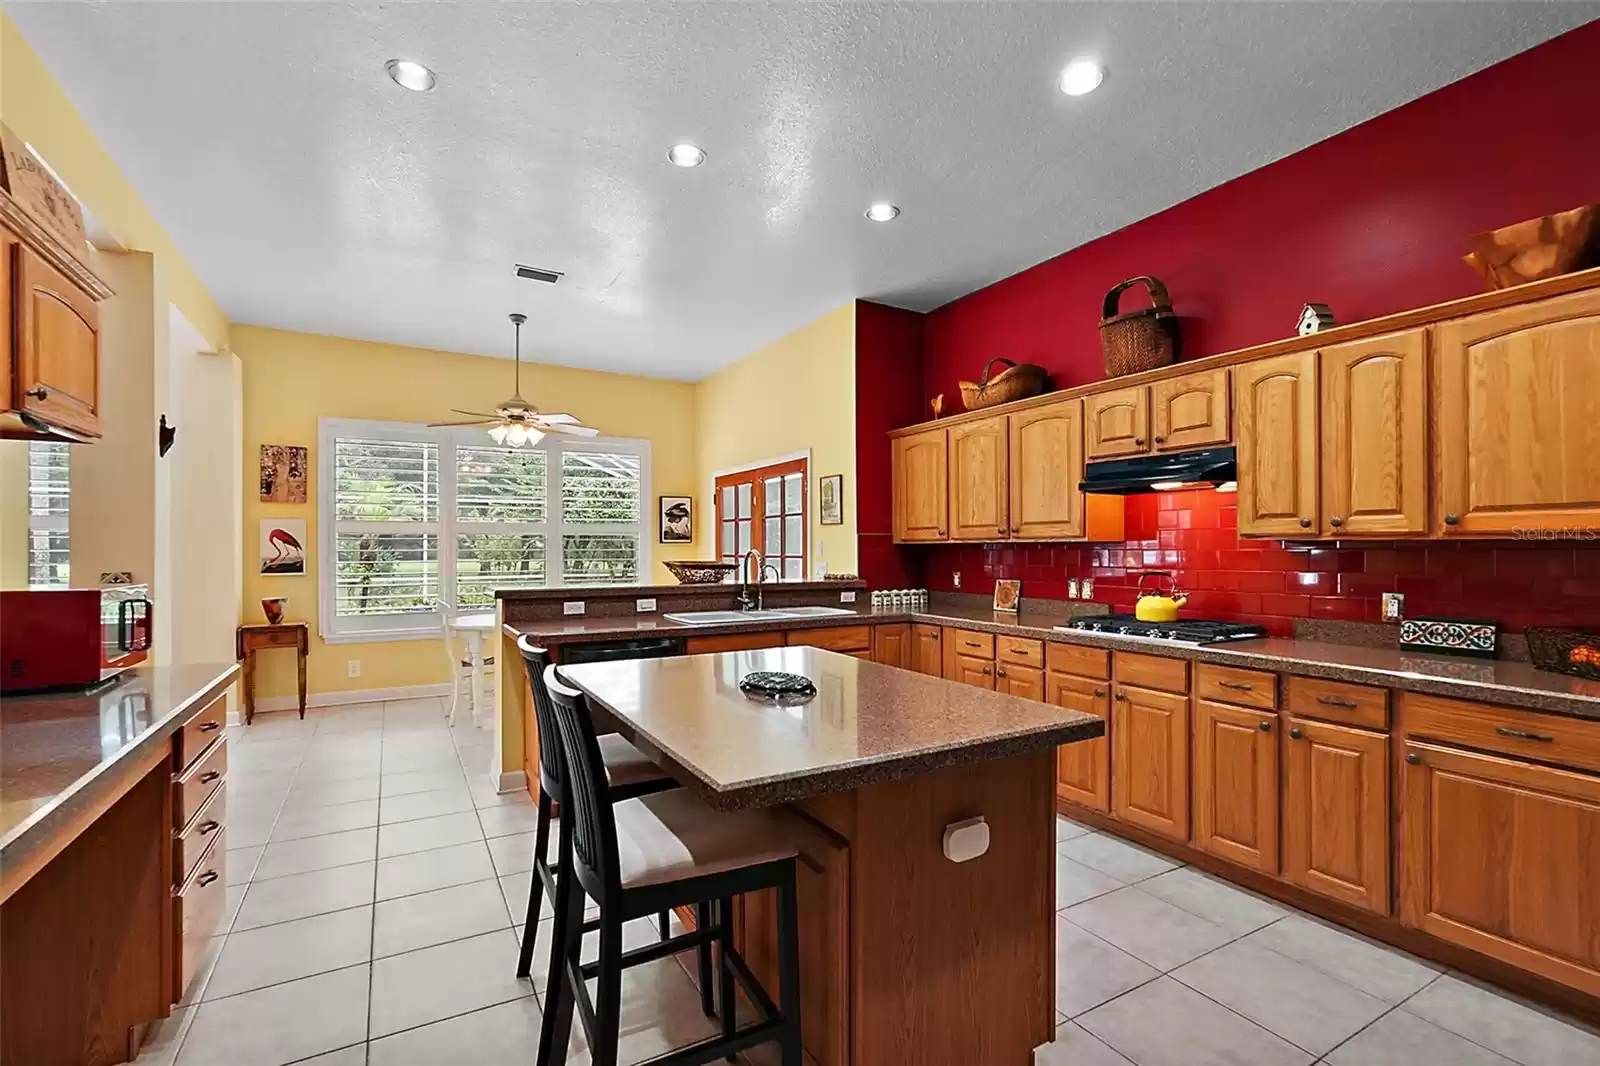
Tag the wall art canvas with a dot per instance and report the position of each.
(283, 546)
(830, 496)
(283, 473)
(677, 519)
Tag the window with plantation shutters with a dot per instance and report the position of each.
(49, 554)
(413, 517)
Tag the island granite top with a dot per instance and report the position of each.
(868, 723)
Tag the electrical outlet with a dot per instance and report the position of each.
(847, 597)
(1394, 606)
(644, 605)
(572, 607)
(353, 667)
(1086, 586)
(1072, 588)
(955, 578)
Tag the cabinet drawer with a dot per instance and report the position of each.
(732, 642)
(189, 846)
(1150, 671)
(198, 733)
(1075, 659)
(1545, 737)
(262, 640)
(1245, 688)
(967, 642)
(196, 912)
(1339, 701)
(835, 638)
(1019, 651)
(195, 786)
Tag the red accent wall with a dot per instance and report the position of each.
(1370, 221)
(888, 360)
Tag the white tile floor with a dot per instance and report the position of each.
(378, 884)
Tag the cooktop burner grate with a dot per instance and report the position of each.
(1183, 631)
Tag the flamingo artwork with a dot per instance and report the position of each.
(283, 546)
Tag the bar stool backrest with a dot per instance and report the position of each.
(551, 779)
(594, 827)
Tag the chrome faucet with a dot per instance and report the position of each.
(762, 566)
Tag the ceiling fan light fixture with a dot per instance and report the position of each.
(498, 433)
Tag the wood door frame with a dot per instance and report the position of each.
(794, 462)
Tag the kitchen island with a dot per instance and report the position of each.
(906, 955)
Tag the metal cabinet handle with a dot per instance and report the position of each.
(1452, 520)
(1099, 692)
(210, 727)
(1238, 686)
(1336, 522)
(1138, 440)
(1335, 701)
(1295, 734)
(1523, 734)
(38, 392)
(209, 776)
(941, 532)
(1122, 695)
(1000, 529)
(1159, 439)
(1413, 758)
(986, 670)
(1266, 726)
(208, 827)
(206, 878)
(999, 671)
(1305, 523)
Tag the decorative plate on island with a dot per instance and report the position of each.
(777, 686)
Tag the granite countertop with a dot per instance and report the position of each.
(1493, 681)
(867, 723)
(62, 752)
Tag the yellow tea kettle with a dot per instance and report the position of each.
(1155, 607)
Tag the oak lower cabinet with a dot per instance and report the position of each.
(927, 650)
(1236, 784)
(1515, 418)
(891, 645)
(921, 486)
(979, 492)
(1150, 759)
(1275, 417)
(1083, 770)
(1502, 856)
(1024, 681)
(970, 670)
(1336, 812)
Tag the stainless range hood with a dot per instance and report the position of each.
(1159, 473)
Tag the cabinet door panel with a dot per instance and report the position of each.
(927, 651)
(921, 481)
(1375, 435)
(891, 645)
(1189, 412)
(1083, 770)
(57, 338)
(1336, 813)
(1517, 417)
(1236, 784)
(1275, 412)
(1150, 761)
(1117, 423)
(1046, 467)
(978, 504)
(1502, 856)
(1024, 681)
(972, 671)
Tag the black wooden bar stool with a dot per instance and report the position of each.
(641, 856)
(628, 774)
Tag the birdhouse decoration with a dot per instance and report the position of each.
(1314, 318)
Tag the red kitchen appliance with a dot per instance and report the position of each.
(72, 638)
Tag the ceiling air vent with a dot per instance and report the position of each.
(539, 274)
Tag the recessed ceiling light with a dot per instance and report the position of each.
(410, 75)
(882, 211)
(1082, 76)
(686, 155)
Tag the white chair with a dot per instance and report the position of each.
(458, 665)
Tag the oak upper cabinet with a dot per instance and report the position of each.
(1117, 423)
(1275, 414)
(1046, 467)
(1502, 856)
(1189, 412)
(1083, 770)
(979, 508)
(55, 365)
(1374, 429)
(891, 644)
(927, 651)
(1336, 812)
(1150, 753)
(921, 484)
(1236, 784)
(1517, 418)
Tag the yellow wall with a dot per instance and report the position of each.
(292, 379)
(13, 514)
(796, 393)
(38, 111)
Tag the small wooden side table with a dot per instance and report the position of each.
(254, 638)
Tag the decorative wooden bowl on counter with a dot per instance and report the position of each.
(1538, 248)
(701, 573)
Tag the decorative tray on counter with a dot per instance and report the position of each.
(777, 686)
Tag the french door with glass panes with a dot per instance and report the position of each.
(765, 508)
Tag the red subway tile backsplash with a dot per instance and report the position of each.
(1194, 535)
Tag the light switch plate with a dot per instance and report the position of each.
(572, 607)
(1394, 606)
(644, 605)
(847, 597)
(955, 578)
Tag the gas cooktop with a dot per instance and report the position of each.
(1184, 631)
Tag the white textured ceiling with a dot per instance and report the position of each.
(311, 193)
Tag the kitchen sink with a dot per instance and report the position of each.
(811, 612)
(723, 618)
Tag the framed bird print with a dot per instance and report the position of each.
(283, 546)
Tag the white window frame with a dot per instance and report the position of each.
(38, 523)
(424, 625)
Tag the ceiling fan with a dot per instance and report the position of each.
(515, 421)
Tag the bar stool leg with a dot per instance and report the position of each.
(789, 971)
(530, 923)
(702, 922)
(566, 944)
(608, 994)
(725, 996)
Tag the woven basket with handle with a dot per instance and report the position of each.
(1018, 381)
(1138, 340)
